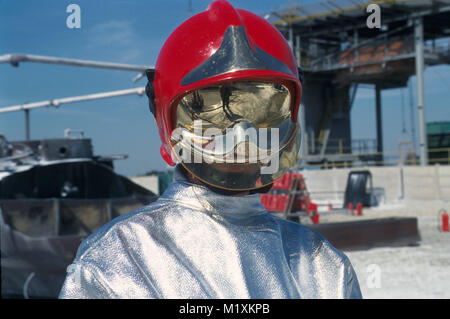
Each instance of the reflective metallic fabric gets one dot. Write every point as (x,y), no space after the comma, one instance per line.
(194,243)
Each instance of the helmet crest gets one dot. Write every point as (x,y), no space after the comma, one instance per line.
(235,54)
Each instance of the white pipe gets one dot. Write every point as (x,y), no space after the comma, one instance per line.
(418,35)
(57,102)
(14,59)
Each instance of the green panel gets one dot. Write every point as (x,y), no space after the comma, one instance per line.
(438,127)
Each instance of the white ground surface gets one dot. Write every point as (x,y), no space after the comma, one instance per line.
(405,272)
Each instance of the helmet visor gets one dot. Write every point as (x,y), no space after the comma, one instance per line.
(237,135)
(265,105)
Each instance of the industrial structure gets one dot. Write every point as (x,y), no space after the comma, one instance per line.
(438,138)
(338,50)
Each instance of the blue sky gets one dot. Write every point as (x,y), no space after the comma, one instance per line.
(133,32)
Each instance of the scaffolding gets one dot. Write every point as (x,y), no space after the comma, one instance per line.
(334,46)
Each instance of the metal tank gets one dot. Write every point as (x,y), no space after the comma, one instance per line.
(53,194)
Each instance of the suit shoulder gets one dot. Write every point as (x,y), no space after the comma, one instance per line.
(109,235)
(301,237)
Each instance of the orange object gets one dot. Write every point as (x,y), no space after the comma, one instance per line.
(312,207)
(269,201)
(444,218)
(264,198)
(284,182)
(281,202)
(350,207)
(359,209)
(315,217)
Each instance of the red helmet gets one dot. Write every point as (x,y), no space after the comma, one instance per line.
(218,45)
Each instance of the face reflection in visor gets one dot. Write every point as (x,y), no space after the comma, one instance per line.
(237,135)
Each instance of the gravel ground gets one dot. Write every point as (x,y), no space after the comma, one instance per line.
(405,272)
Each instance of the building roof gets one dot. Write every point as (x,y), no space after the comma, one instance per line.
(329,16)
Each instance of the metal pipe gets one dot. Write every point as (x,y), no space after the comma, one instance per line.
(304,136)
(402,184)
(298,53)
(15,59)
(56,214)
(370,41)
(379,121)
(413,122)
(57,102)
(291,38)
(27,124)
(418,39)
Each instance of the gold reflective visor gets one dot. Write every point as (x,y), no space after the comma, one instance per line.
(238,135)
(265,105)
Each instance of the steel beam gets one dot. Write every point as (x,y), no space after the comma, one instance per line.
(379,120)
(27,124)
(399,17)
(15,59)
(418,39)
(57,102)
(291,38)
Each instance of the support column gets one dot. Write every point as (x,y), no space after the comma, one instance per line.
(418,38)
(379,122)
(298,53)
(304,143)
(27,124)
(291,38)
(413,122)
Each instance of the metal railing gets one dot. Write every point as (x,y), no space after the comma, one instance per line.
(373,51)
(341,146)
(341,158)
(368,52)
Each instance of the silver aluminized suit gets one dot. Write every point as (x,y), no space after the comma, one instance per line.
(195,243)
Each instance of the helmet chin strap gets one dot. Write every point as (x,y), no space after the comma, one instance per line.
(221,191)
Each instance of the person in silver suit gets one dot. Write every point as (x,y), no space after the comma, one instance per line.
(208,235)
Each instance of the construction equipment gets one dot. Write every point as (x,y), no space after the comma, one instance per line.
(53,194)
(290,199)
(360,190)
